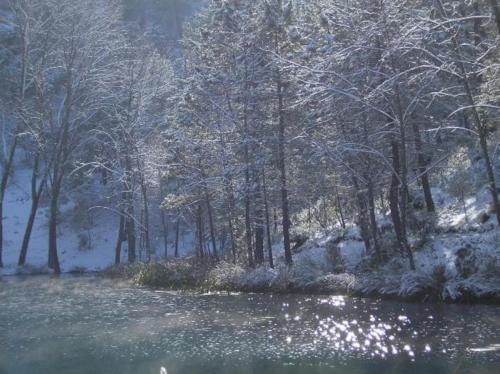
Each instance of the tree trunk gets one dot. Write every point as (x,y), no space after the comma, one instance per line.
(404,197)
(1,233)
(230,217)
(176,248)
(199,230)
(211,227)
(3,187)
(363,211)
(495,7)
(53,256)
(394,191)
(164,224)
(422,168)
(487,161)
(222,242)
(232,238)
(259,225)
(229,187)
(36,193)
(62,153)
(164,228)
(373,219)
(340,210)
(119,239)
(477,23)
(27,233)
(282,171)
(483,141)
(248,227)
(275,221)
(268,224)
(128,193)
(371,201)
(130,229)
(144,192)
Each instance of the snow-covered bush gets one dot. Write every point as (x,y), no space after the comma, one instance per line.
(379,282)
(225,276)
(334,283)
(417,283)
(179,273)
(258,279)
(153,274)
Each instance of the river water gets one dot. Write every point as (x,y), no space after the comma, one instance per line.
(88,324)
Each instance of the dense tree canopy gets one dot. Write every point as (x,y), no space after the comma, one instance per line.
(251,119)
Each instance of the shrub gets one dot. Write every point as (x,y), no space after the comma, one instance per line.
(334,283)
(177,274)
(225,276)
(334,255)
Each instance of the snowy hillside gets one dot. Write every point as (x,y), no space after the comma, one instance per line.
(72,256)
(89,248)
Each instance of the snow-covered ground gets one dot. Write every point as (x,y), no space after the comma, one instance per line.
(449,267)
(17,206)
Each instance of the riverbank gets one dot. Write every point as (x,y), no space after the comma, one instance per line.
(453,265)
(306,277)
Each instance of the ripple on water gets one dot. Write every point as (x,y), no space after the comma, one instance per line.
(87,321)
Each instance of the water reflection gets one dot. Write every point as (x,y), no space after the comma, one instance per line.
(82,325)
(375,337)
